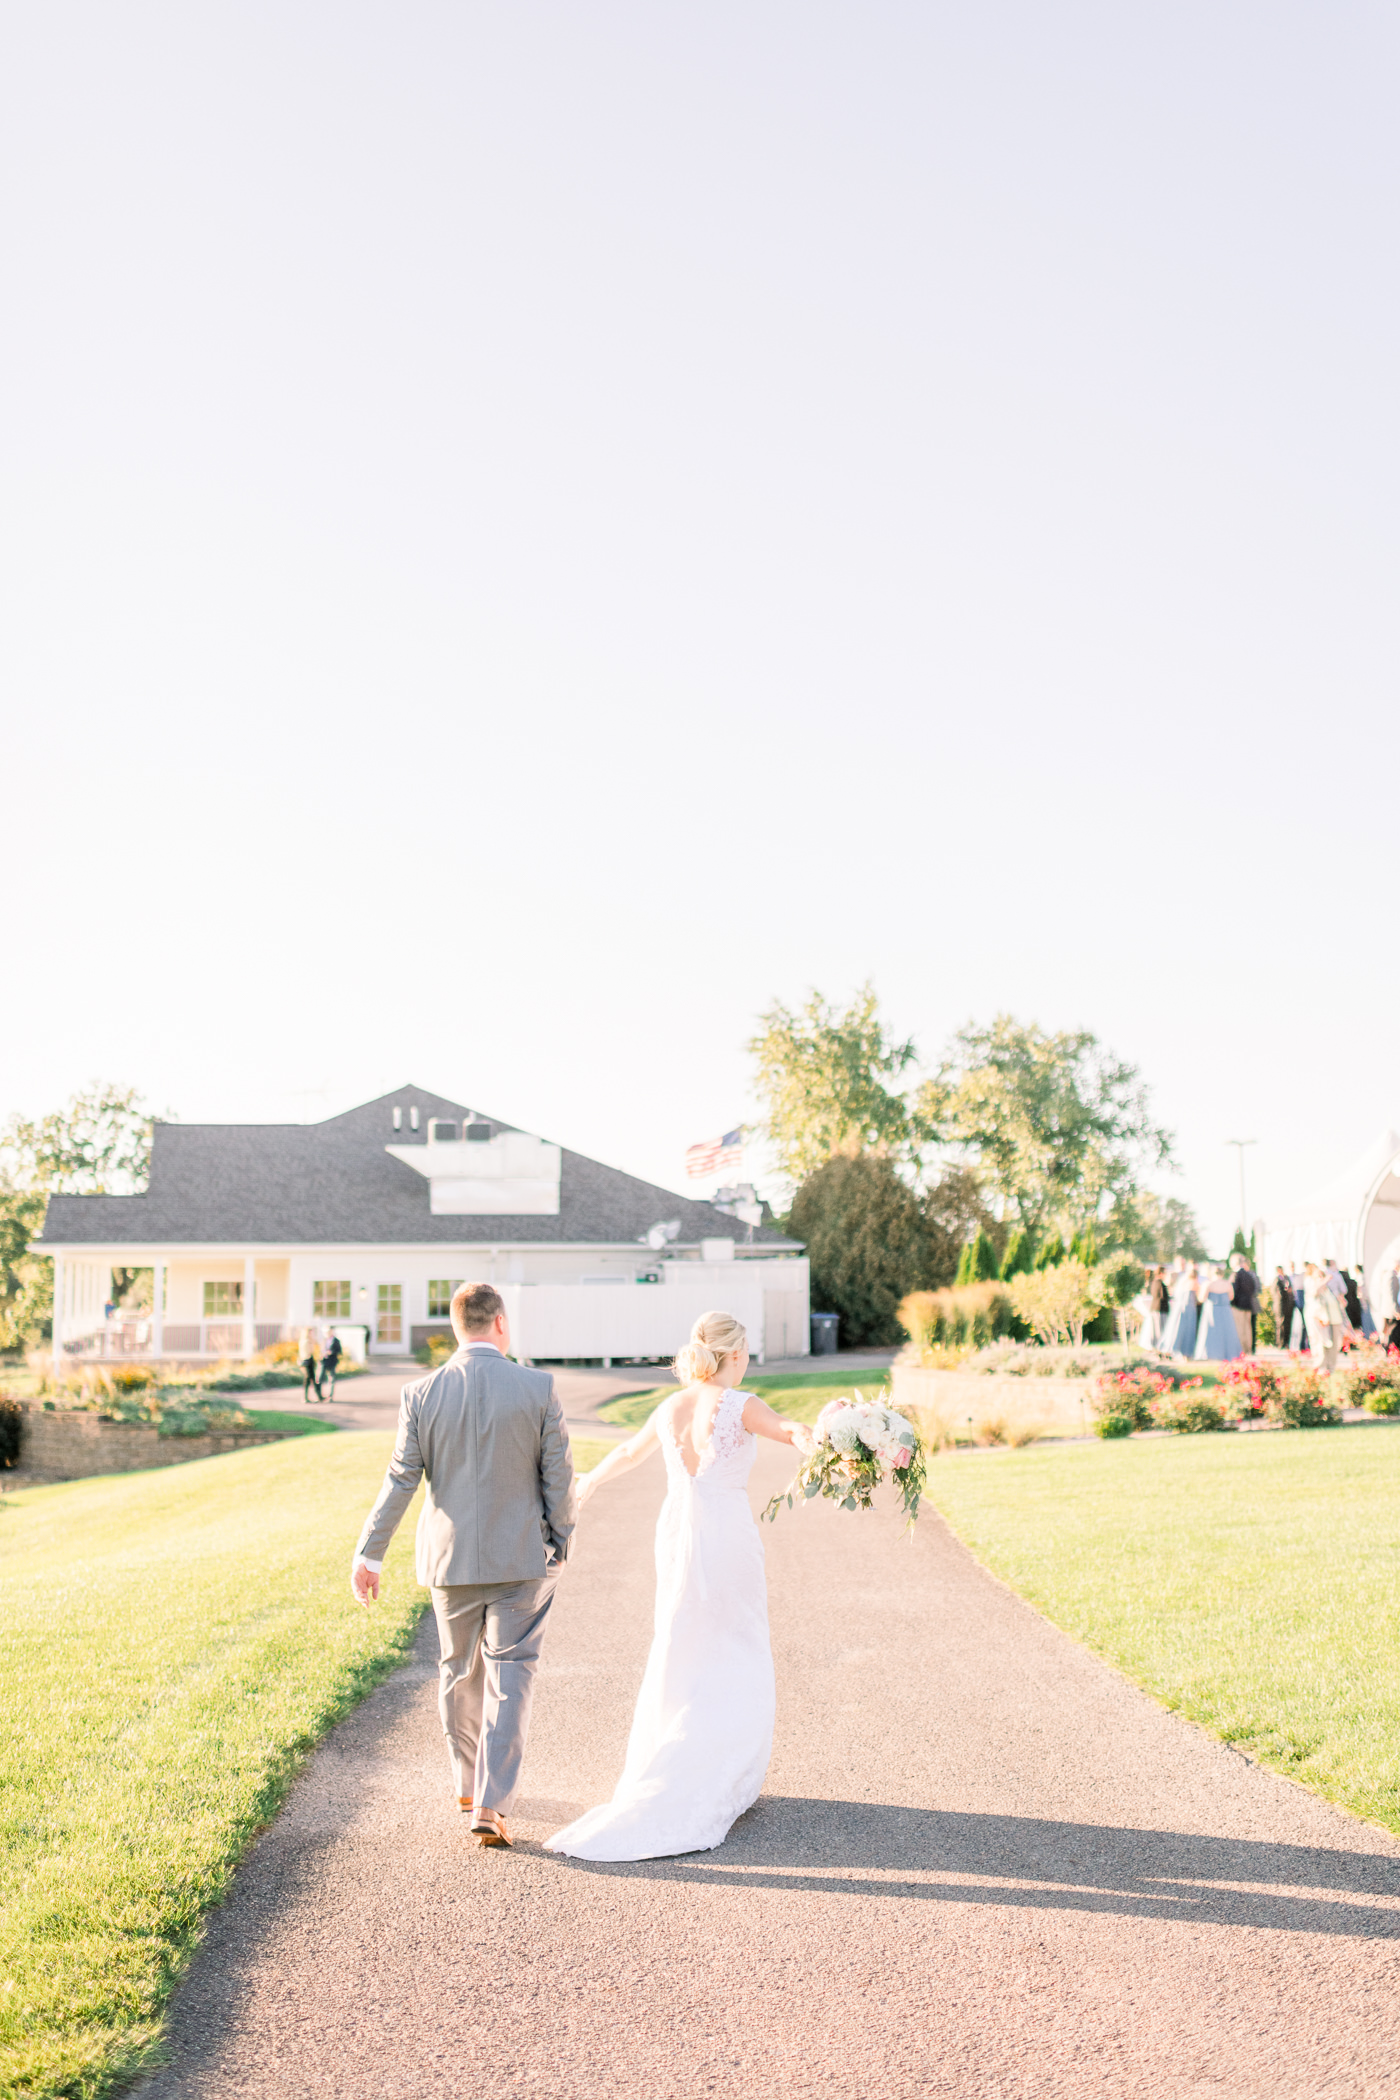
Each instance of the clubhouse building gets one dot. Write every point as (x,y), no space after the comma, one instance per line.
(365,1224)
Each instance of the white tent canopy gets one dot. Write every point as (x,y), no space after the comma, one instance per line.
(1355,1219)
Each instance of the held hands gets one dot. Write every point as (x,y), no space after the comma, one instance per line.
(364,1584)
(583,1488)
(802,1438)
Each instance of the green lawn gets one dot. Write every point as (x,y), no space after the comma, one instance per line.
(799,1394)
(294,1425)
(171,1644)
(1250,1582)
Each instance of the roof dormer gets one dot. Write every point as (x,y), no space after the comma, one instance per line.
(477,1175)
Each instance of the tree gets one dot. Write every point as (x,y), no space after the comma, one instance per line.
(1019,1255)
(822,1078)
(954,1212)
(866,1239)
(1155,1228)
(1052,1252)
(99,1145)
(1056,1302)
(26,1282)
(1056,1126)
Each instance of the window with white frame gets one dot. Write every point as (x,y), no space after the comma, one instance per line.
(440,1296)
(330,1301)
(223,1301)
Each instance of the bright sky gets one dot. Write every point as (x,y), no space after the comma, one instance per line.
(530,530)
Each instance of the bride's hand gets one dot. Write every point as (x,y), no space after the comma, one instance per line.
(583,1488)
(803,1439)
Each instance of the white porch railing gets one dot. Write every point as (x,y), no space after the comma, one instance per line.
(129,1335)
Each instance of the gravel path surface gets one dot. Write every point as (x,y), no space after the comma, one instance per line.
(983,1866)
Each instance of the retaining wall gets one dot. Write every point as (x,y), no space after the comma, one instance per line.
(75,1446)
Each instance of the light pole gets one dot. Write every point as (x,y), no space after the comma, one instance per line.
(1240,1144)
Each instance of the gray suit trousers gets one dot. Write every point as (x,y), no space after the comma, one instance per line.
(490,1635)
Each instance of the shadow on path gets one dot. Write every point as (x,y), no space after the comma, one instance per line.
(853,1848)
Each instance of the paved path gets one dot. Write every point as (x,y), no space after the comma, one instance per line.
(984,1867)
(371,1400)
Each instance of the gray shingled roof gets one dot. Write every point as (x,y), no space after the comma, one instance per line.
(334,1181)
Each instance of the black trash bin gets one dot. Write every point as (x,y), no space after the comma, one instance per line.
(825,1328)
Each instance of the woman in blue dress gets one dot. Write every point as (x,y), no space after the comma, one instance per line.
(1179,1332)
(1217,1336)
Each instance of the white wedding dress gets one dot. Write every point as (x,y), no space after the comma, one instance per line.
(703,1729)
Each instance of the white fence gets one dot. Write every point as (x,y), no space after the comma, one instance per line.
(612,1320)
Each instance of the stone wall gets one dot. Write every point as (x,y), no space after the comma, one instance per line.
(962,1404)
(74,1446)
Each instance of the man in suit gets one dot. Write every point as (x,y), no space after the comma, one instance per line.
(489,1437)
(1244,1303)
(1283,1307)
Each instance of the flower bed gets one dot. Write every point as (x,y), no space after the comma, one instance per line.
(1372,1382)
(1125,1402)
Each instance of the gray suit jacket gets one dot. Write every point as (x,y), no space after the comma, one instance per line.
(489,1436)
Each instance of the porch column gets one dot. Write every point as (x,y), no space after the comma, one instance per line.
(250,1280)
(60,1286)
(158,1308)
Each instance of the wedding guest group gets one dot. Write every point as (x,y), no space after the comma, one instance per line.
(1200,1311)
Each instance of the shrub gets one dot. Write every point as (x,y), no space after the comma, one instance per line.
(1374,1384)
(1052,1252)
(133,1378)
(1057,1302)
(1189,1410)
(436,1350)
(968,1316)
(1019,1255)
(1123,1401)
(867,1244)
(11,1420)
(1302,1402)
(278,1354)
(1252,1391)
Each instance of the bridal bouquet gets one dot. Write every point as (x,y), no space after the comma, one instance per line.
(860,1444)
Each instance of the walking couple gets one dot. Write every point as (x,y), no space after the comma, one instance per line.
(498,1523)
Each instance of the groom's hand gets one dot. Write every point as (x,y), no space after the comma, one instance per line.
(364,1584)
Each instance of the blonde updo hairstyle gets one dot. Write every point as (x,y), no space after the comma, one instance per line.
(714,1336)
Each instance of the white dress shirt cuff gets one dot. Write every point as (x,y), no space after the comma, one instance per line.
(373,1565)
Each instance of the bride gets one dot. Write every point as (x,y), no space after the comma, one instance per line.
(703,1727)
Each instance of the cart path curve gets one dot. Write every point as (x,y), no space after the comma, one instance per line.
(984,1866)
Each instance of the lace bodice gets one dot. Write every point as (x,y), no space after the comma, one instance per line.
(729,1454)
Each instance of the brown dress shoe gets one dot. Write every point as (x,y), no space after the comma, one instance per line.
(490,1828)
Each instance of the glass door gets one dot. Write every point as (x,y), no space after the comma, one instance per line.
(388,1316)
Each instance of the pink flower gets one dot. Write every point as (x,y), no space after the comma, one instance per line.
(901,1457)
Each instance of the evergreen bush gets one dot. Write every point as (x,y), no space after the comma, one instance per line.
(1019,1255)
(1052,1252)
(985,1265)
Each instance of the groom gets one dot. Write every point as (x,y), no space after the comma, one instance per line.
(494,1533)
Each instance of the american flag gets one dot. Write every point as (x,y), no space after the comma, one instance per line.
(719,1155)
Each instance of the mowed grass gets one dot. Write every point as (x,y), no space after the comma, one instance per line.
(290,1424)
(172,1643)
(1251,1582)
(801,1395)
